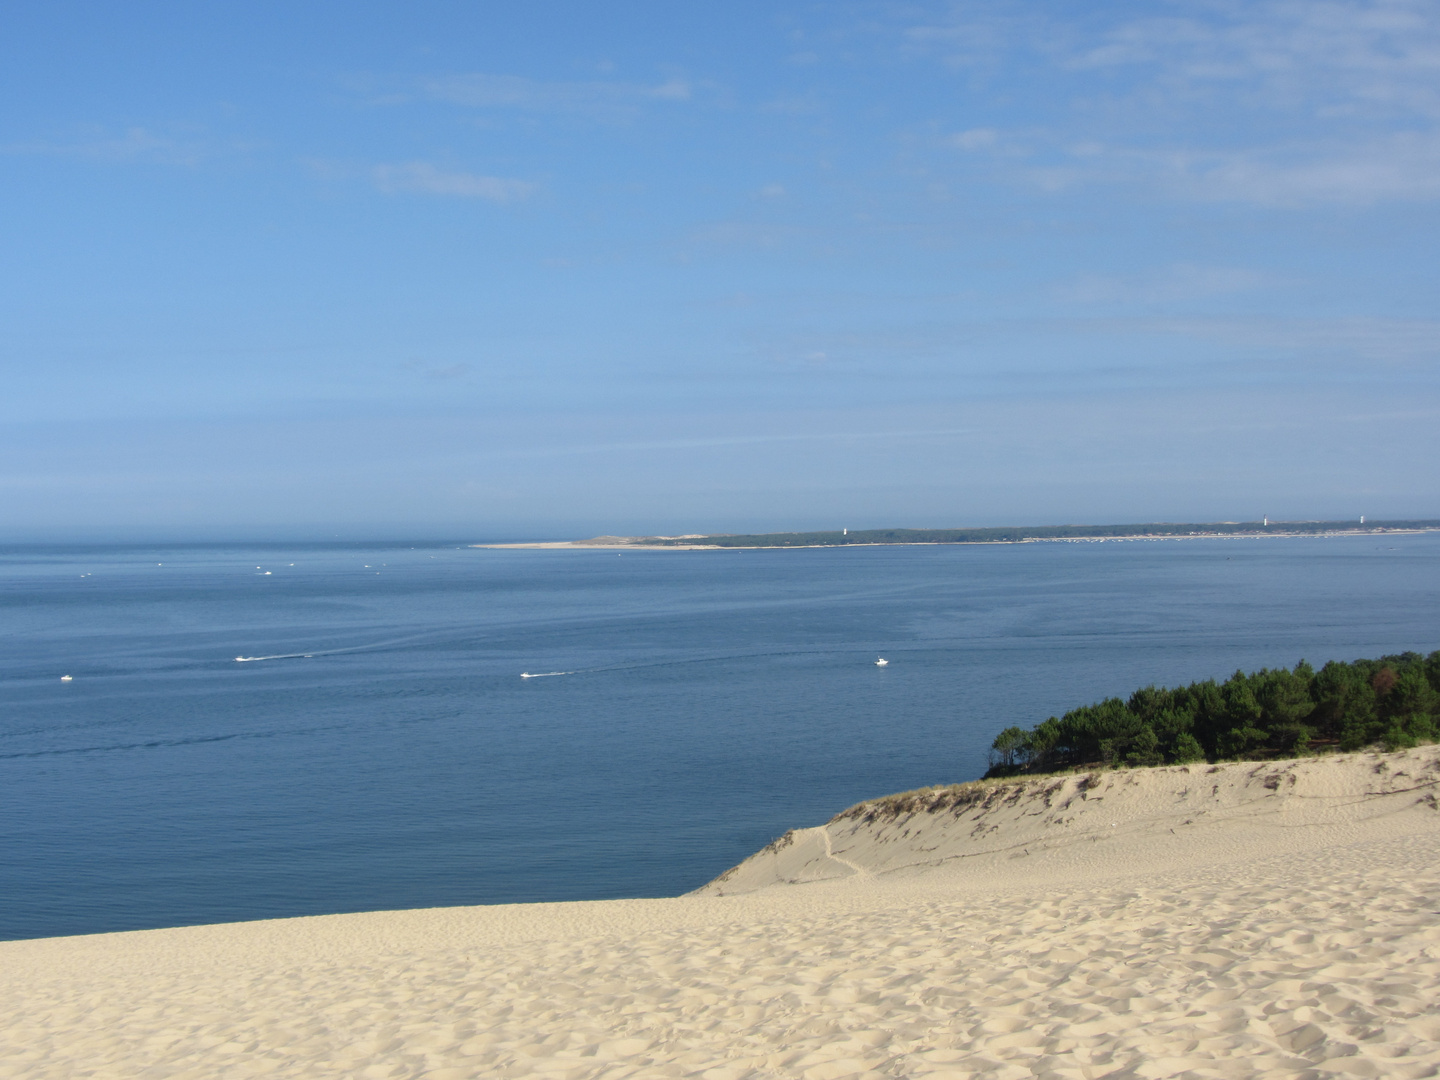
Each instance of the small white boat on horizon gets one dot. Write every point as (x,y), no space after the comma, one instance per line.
(882,662)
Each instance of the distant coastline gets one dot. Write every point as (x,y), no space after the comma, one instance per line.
(996,535)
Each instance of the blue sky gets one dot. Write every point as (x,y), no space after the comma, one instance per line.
(558,269)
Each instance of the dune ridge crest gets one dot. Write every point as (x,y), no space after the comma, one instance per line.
(1084,825)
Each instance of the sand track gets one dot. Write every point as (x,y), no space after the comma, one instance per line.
(823,831)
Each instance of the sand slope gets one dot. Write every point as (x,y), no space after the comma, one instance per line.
(1292,933)
(1076,827)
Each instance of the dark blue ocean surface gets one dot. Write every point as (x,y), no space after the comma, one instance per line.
(390,755)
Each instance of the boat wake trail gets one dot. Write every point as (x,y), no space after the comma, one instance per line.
(544,674)
(282,656)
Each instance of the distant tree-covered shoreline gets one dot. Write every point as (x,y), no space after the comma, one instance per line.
(1020,534)
(1393,701)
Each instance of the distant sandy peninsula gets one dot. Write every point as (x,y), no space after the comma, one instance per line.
(1253,919)
(987,535)
(635,543)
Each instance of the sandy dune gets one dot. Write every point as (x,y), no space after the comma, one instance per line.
(1288,926)
(1077,827)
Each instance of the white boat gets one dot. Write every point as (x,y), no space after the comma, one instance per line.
(65,678)
(882,662)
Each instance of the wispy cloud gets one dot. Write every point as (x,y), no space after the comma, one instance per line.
(1086,352)
(1404,166)
(1274,103)
(1373,56)
(1386,52)
(424,178)
(135,144)
(1412,344)
(485,91)
(1175,284)
(974,139)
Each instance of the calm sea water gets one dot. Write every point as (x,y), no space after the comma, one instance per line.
(389,755)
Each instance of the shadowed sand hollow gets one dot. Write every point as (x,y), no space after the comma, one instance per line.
(1242,920)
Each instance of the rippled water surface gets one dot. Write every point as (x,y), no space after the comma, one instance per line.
(383,751)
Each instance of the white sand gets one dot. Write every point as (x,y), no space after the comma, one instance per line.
(1291,928)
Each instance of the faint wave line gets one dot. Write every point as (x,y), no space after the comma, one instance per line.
(154,744)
